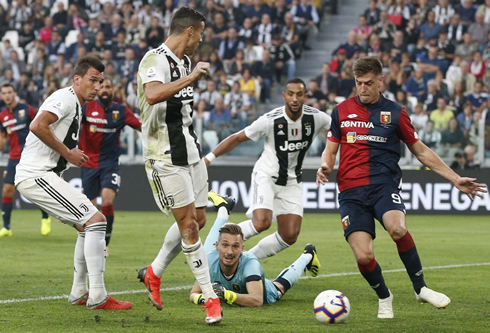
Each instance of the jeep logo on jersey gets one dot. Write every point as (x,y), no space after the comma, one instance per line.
(115,114)
(385,117)
(358,124)
(185,92)
(293,146)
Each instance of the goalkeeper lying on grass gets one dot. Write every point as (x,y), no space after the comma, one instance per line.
(237,274)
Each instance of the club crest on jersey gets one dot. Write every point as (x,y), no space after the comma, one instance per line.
(236,287)
(294,131)
(385,117)
(115,114)
(351,137)
(22,113)
(345,222)
(308,129)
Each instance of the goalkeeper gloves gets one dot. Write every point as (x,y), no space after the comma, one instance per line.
(228,295)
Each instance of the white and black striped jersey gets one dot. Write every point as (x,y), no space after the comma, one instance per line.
(37,158)
(167,130)
(286,141)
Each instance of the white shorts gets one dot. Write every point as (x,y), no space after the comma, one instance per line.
(58,198)
(265,194)
(178,186)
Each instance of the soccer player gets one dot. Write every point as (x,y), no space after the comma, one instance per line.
(237,274)
(50,146)
(14,127)
(369,128)
(173,159)
(276,179)
(102,123)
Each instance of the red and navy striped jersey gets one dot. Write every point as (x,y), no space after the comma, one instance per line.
(369,137)
(16,124)
(100,133)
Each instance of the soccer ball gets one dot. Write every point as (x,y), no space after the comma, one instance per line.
(331,306)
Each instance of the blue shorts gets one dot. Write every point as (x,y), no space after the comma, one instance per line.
(94,180)
(9,172)
(361,205)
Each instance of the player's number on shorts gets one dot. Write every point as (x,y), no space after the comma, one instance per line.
(396,198)
(116,180)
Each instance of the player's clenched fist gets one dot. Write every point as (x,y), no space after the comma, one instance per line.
(77,157)
(201,69)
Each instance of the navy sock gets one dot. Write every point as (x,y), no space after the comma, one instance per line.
(372,273)
(44,214)
(108,211)
(410,258)
(7,205)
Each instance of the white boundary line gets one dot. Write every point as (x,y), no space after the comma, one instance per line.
(49,298)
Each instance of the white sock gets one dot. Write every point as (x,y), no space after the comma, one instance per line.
(95,257)
(288,277)
(170,249)
(80,286)
(198,261)
(248,229)
(269,246)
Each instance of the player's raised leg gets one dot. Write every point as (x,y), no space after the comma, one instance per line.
(45,223)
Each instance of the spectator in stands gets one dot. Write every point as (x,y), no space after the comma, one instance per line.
(347,83)
(315,95)
(384,29)
(265,30)
(400,13)
(216,65)
(465,118)
(467,12)
(431,96)
(211,95)
(256,11)
(411,36)
(458,98)
(338,62)
(8,77)
(473,136)
(442,87)
(430,29)
(250,54)
(17,65)
(416,85)
(111,31)
(470,156)
(279,11)
(419,118)
(327,83)
(444,11)
(233,15)
(372,13)
(283,58)
(456,29)
(66,75)
(431,63)
(446,48)
(222,85)
(60,18)
(6,47)
(209,44)
(110,73)
(55,46)
(155,34)
(45,32)
(135,31)
(306,17)
(466,77)
(247,85)
(26,36)
(17,14)
(395,78)
(39,12)
(478,98)
(129,65)
(264,71)
(430,136)
(363,31)
(441,116)
(93,9)
(236,65)
(351,47)
(459,162)
(246,31)
(229,46)
(486,79)
(238,103)
(479,30)
(374,47)
(452,139)
(77,20)
(220,120)
(118,47)
(168,10)
(145,15)
(71,50)
(477,66)
(219,27)
(290,34)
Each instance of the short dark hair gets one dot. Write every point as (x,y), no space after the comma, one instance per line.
(367,65)
(8,85)
(232,229)
(86,62)
(296,80)
(185,17)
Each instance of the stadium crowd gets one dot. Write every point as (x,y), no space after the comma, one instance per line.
(436,57)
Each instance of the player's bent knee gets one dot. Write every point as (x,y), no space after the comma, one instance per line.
(398,232)
(364,258)
(96,218)
(261,224)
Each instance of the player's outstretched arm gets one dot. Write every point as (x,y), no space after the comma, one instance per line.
(226,146)
(3,140)
(196,295)
(430,159)
(255,296)
(327,162)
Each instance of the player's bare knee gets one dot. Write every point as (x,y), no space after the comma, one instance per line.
(97,218)
(289,237)
(262,223)
(189,231)
(364,258)
(398,231)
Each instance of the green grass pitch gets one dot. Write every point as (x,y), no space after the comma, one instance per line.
(36,276)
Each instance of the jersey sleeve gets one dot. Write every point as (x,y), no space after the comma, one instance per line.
(32,113)
(58,105)
(153,68)
(257,129)
(406,132)
(131,120)
(326,121)
(252,271)
(334,134)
